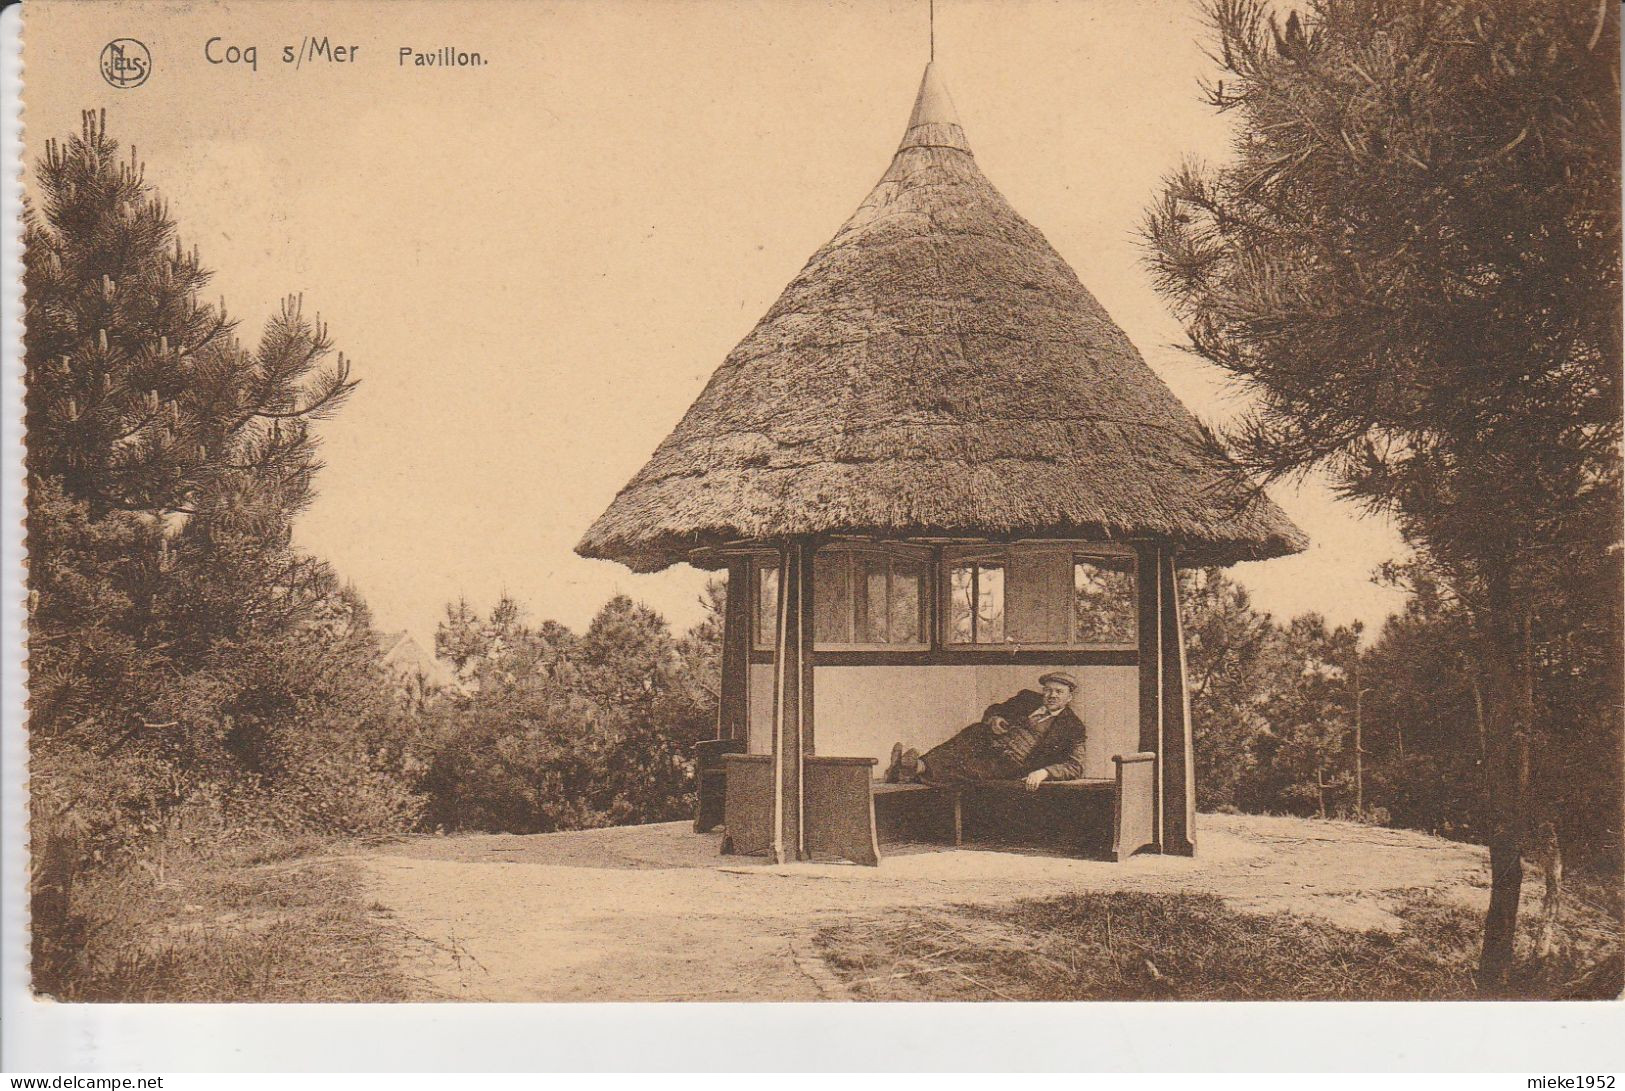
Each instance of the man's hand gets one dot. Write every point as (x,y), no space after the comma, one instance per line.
(1035,778)
(998,725)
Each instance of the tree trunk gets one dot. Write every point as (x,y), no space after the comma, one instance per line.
(1509,715)
(1549,852)
(1483,734)
(1359,746)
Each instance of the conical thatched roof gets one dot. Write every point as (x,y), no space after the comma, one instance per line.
(936,370)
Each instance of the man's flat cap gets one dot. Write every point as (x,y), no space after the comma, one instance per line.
(1059,676)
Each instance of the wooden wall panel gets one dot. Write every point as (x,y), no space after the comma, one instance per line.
(759,735)
(863,710)
(1038,602)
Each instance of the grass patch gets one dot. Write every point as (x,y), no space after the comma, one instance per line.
(259,924)
(1133,946)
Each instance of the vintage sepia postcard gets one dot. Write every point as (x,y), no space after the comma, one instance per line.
(1163,544)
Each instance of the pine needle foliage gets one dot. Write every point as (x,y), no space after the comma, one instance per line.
(141,396)
(1412,261)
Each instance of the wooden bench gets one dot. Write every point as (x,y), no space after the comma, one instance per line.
(1078,815)
(847,814)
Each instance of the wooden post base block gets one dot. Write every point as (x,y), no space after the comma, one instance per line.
(710,781)
(1134,821)
(839,810)
(748,804)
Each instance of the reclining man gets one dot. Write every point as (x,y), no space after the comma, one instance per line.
(1032,737)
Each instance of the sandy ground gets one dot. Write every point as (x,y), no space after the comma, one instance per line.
(654,913)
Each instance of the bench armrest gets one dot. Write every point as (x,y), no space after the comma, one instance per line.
(1134,819)
(708,752)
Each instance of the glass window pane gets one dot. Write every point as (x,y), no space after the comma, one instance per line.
(1104,600)
(906,578)
(767,604)
(832,598)
(990,603)
(873,613)
(960,607)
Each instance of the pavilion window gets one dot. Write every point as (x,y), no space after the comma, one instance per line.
(976,601)
(767,601)
(862,598)
(1040,597)
(1104,600)
(866,598)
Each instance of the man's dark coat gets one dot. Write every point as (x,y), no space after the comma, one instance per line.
(977,754)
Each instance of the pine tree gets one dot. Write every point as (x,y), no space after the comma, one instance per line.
(1231,649)
(140,396)
(1414,262)
(166,462)
(184,659)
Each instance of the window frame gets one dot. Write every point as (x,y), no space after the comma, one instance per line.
(1133,563)
(1003,555)
(763,636)
(976,556)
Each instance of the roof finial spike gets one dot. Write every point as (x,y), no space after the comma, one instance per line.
(933,124)
(933,19)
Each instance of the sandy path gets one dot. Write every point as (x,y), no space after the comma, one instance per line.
(653,913)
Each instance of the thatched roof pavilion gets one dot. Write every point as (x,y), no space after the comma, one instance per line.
(939,429)
(936,370)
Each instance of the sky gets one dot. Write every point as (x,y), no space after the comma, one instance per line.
(536,263)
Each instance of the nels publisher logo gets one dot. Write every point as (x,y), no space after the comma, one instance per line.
(126,63)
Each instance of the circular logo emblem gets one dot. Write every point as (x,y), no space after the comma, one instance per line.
(126,63)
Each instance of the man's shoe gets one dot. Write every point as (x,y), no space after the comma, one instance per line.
(895,769)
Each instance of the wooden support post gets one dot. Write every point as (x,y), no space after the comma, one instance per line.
(733,704)
(1150,667)
(792,699)
(1176,764)
(805,651)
